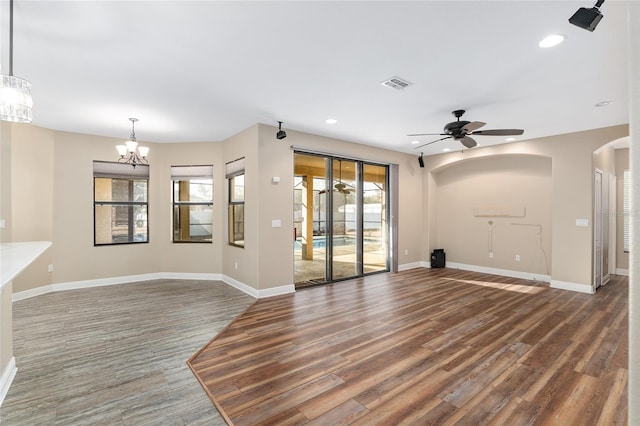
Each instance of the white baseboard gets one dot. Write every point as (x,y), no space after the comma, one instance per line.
(7,377)
(496,271)
(566,285)
(413,265)
(240,286)
(75,285)
(27,294)
(624,272)
(276,291)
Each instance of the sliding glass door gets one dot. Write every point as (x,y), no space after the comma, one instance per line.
(341,219)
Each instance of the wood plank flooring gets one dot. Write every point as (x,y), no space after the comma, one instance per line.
(424,347)
(116,355)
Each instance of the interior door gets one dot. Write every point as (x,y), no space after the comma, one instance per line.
(597,231)
(604,223)
(613,215)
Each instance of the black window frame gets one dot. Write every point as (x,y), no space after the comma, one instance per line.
(197,172)
(127,173)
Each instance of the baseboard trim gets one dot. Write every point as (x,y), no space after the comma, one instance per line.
(414,265)
(566,285)
(240,286)
(495,271)
(27,294)
(276,291)
(75,285)
(7,378)
(624,272)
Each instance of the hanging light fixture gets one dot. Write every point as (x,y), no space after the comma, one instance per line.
(128,153)
(15,92)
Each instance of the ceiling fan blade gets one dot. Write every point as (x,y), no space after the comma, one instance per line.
(470,127)
(468,142)
(429,143)
(427,134)
(499,132)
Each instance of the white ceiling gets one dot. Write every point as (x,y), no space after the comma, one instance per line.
(205,70)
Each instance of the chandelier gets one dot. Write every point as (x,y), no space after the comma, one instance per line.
(15,92)
(128,153)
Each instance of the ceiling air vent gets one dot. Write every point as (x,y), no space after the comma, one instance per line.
(396,83)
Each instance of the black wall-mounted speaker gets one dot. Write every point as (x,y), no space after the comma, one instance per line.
(586,18)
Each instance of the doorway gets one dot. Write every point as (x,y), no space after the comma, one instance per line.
(597,231)
(603,228)
(341,219)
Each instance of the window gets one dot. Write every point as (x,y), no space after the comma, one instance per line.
(626,207)
(120,194)
(192,203)
(235,175)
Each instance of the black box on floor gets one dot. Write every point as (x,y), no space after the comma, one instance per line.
(438,258)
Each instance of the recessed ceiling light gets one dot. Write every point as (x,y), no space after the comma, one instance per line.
(415,142)
(551,40)
(331,121)
(510,139)
(604,103)
(446,150)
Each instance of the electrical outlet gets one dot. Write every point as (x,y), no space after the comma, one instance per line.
(490,255)
(517,258)
(236,264)
(406,252)
(50,268)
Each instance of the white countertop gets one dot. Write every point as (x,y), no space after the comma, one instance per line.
(15,257)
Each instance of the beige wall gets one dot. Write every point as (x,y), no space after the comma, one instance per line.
(240,263)
(53,200)
(32,197)
(266,261)
(6,339)
(572,180)
(622,164)
(6,332)
(410,228)
(203,258)
(519,183)
(61,178)
(5,180)
(275,202)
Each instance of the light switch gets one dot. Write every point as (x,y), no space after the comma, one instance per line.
(582,223)
(276,223)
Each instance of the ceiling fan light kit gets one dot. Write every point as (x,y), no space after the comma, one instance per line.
(460,130)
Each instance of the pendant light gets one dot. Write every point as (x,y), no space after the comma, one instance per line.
(130,152)
(15,92)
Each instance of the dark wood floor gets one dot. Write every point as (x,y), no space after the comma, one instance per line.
(424,347)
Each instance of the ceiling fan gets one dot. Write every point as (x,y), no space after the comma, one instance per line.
(461,130)
(340,187)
